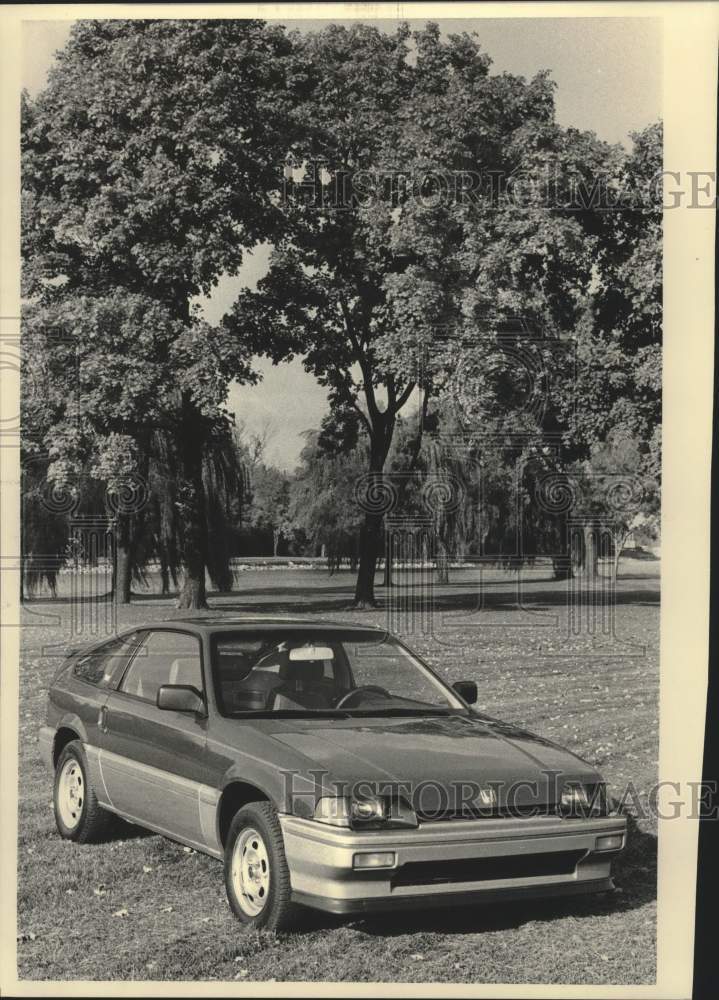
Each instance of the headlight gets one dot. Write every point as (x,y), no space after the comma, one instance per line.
(372,810)
(584,800)
(368,812)
(334,811)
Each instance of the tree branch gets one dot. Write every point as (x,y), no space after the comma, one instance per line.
(375,414)
(404,396)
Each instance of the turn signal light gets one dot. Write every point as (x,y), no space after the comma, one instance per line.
(610,843)
(379,859)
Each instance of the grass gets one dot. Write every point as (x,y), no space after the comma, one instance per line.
(141,907)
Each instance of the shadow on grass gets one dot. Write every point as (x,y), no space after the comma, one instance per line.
(334,596)
(634,873)
(120,829)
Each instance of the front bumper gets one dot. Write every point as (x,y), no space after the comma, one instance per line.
(444,863)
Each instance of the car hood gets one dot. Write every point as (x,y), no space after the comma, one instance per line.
(438,751)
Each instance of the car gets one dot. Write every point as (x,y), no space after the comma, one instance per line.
(325,763)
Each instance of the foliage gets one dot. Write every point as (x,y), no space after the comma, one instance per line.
(149,167)
(150,158)
(619,375)
(323,506)
(436,235)
(367,278)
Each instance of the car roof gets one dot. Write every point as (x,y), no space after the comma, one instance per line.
(223,623)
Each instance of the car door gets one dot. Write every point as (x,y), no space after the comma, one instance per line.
(153,761)
(84,691)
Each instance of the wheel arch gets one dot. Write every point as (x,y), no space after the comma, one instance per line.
(66,732)
(235,795)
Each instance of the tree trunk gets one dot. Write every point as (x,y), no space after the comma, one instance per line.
(122,569)
(591,554)
(619,542)
(192,592)
(370,533)
(442,563)
(584,552)
(164,576)
(562,568)
(123,576)
(275,542)
(191,503)
(387,578)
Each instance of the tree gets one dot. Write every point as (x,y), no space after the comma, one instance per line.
(619,348)
(149,167)
(619,490)
(109,372)
(620,336)
(368,274)
(545,266)
(322,502)
(271,503)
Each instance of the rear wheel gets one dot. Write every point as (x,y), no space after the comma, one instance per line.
(78,814)
(257,878)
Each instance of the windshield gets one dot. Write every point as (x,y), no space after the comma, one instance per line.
(340,673)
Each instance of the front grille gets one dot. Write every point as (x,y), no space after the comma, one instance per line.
(486,869)
(490,812)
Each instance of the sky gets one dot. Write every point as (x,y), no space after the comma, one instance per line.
(608,73)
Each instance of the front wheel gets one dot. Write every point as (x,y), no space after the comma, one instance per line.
(78,814)
(257,878)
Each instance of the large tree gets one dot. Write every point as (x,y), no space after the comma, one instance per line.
(374,268)
(149,167)
(554,344)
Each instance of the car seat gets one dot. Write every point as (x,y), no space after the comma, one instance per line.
(302,686)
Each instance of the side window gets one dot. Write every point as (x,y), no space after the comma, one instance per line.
(102,665)
(164,658)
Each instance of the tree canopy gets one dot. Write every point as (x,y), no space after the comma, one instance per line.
(439,243)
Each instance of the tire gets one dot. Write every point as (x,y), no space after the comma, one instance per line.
(257,878)
(78,814)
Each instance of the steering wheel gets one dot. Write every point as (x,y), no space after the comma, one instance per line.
(343,699)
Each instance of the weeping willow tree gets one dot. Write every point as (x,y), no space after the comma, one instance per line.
(45,534)
(453,502)
(104,403)
(484,490)
(142,516)
(153,530)
(323,505)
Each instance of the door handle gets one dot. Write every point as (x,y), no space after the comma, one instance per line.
(102,719)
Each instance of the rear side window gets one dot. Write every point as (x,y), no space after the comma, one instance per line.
(105,664)
(164,658)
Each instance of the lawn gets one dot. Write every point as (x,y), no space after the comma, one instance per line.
(140,907)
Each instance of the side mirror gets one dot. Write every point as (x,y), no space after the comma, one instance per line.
(466,690)
(180,698)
